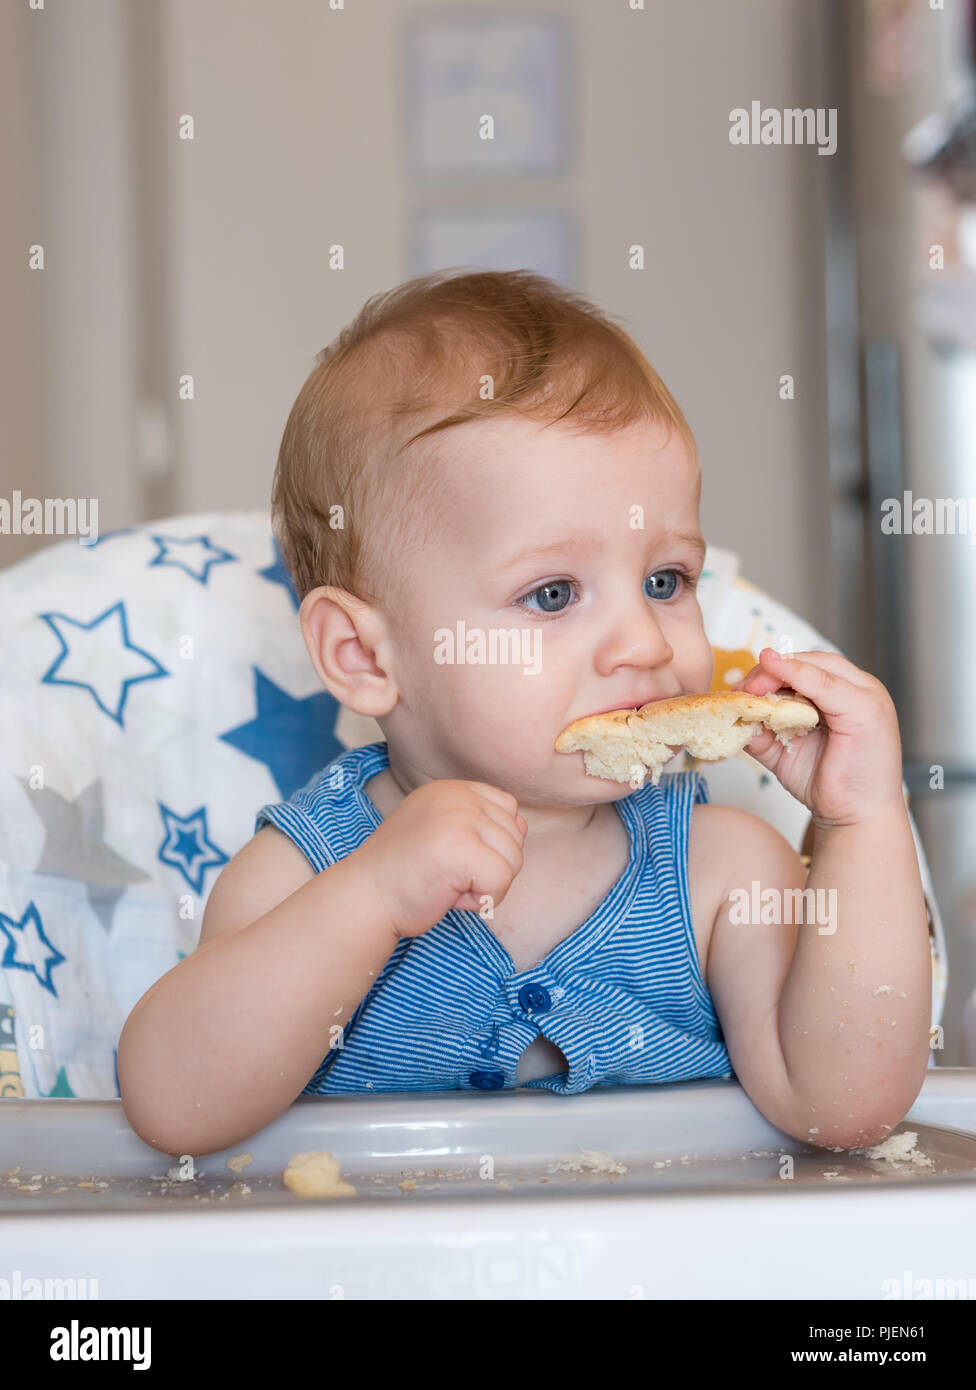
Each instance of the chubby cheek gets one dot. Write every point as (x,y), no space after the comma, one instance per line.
(694,659)
(505,705)
(704,668)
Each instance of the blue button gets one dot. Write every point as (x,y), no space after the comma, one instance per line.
(487,1080)
(535,997)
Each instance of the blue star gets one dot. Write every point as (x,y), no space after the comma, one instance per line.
(278,574)
(295,738)
(200,555)
(187,841)
(99,656)
(33,947)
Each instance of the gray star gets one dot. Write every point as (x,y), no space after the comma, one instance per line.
(74,847)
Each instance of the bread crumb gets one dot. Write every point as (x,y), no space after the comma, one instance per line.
(239,1162)
(316,1174)
(590,1159)
(900,1148)
(408,1185)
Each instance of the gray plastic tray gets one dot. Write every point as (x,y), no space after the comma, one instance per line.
(474,1183)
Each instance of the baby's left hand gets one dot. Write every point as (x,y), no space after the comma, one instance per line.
(843,773)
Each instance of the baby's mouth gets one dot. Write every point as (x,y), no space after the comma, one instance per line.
(629,705)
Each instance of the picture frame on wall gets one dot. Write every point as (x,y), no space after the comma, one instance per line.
(498,72)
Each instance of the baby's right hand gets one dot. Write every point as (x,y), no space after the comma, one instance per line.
(449,844)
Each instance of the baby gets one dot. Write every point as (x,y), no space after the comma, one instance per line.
(488,502)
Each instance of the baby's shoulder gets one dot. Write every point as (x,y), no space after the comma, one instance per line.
(722,839)
(715,836)
(723,831)
(723,842)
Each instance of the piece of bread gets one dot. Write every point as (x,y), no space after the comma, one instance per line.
(316,1174)
(624,744)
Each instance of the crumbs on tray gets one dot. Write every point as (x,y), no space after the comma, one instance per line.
(589,1160)
(899,1148)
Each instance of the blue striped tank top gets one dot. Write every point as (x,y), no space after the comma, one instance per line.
(623,995)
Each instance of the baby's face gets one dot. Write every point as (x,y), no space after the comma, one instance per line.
(498,646)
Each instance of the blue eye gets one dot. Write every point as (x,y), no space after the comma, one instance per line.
(655,591)
(550,596)
(555,596)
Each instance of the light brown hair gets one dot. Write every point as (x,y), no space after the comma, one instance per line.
(411,365)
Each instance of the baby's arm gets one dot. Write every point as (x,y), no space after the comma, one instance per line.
(227,1039)
(822,1054)
(856,1009)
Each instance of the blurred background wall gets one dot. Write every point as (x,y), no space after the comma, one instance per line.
(169,256)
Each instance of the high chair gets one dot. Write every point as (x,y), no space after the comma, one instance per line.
(156,693)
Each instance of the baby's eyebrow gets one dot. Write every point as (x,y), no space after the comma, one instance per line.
(585,545)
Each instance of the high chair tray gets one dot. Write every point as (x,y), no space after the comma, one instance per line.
(680,1190)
